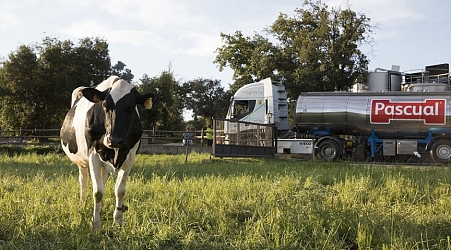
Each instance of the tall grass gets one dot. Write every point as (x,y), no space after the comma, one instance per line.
(228,204)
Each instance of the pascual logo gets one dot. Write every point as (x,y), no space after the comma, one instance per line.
(431,111)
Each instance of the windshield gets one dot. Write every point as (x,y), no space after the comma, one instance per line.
(241,108)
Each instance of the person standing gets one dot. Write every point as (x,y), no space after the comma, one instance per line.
(209,135)
(187,138)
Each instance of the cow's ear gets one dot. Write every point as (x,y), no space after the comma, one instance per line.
(147,100)
(94,95)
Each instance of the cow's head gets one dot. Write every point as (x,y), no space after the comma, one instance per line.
(119,108)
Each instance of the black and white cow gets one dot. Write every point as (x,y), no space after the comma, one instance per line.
(101,134)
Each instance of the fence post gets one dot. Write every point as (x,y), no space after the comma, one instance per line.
(202,137)
(153,134)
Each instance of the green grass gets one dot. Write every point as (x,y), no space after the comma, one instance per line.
(227,204)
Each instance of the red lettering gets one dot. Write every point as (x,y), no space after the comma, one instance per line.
(431,111)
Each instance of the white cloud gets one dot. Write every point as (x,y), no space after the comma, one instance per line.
(167,26)
(150,13)
(96,28)
(86,28)
(384,12)
(8,20)
(199,44)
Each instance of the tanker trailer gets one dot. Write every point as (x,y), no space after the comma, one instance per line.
(391,123)
(392,114)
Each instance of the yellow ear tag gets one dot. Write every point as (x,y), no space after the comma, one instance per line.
(148,103)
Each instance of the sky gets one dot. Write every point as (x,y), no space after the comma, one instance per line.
(151,36)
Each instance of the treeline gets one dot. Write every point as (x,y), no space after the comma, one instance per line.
(318,49)
(36,83)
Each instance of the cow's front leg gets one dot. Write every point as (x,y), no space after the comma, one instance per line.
(98,187)
(119,191)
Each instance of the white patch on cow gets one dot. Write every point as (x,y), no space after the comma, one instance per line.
(81,157)
(108,83)
(76,94)
(120,89)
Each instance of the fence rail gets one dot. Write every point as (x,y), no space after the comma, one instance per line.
(243,139)
(149,136)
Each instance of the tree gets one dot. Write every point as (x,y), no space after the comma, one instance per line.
(206,98)
(251,59)
(92,60)
(167,113)
(58,75)
(316,50)
(21,103)
(39,80)
(120,70)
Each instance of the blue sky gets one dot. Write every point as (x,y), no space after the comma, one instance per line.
(151,35)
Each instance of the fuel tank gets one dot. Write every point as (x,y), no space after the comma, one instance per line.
(391,114)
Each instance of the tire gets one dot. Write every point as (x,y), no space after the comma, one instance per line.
(328,150)
(441,151)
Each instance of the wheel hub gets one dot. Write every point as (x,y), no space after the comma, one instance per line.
(444,152)
(328,152)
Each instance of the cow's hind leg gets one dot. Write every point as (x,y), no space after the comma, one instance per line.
(83,178)
(119,191)
(98,187)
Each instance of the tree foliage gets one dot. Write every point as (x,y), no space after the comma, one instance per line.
(119,69)
(36,84)
(206,98)
(316,50)
(38,80)
(21,102)
(167,113)
(250,58)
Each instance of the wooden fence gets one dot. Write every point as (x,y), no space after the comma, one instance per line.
(149,136)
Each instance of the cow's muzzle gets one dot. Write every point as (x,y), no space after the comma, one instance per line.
(113,141)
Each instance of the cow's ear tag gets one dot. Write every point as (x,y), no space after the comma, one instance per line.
(148,103)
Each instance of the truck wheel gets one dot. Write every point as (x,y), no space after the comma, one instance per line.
(441,151)
(328,150)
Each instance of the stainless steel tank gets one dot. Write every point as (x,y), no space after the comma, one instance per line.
(427,87)
(390,114)
(384,81)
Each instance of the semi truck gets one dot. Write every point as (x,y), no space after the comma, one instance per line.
(392,114)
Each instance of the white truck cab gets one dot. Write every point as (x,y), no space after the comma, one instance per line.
(261,102)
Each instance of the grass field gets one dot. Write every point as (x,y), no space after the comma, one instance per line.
(226,204)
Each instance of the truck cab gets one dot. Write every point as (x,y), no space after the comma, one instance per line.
(262,102)
(254,104)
